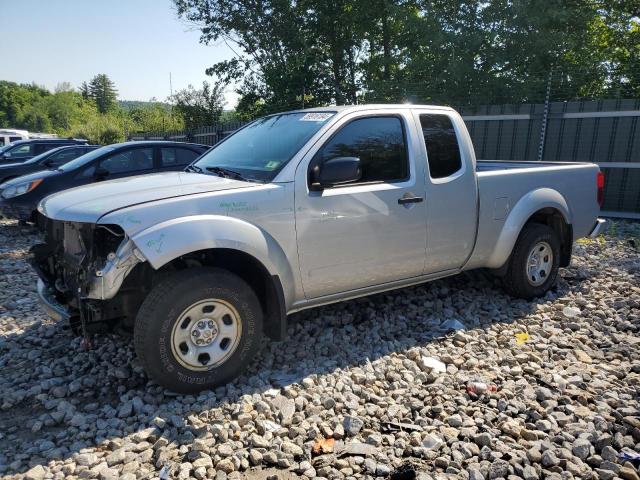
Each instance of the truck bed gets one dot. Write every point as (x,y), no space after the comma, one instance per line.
(504,186)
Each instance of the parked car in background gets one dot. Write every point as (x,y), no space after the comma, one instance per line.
(297,210)
(51,160)
(19,197)
(23,150)
(8,135)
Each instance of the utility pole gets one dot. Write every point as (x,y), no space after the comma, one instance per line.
(545,117)
(170,103)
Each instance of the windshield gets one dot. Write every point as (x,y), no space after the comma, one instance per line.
(261,149)
(84,159)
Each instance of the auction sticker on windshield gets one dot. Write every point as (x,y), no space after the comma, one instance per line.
(316,117)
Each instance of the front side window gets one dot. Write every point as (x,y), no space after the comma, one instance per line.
(379,143)
(262,148)
(440,138)
(134,160)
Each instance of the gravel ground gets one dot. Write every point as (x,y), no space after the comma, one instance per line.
(382,380)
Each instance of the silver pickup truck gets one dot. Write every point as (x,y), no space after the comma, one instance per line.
(296,210)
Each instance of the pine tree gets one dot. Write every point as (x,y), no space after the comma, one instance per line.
(84,91)
(103,91)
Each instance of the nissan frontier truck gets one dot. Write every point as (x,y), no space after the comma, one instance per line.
(296,210)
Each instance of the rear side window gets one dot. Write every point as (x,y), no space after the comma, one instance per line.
(440,139)
(380,144)
(44,147)
(133,160)
(172,156)
(64,156)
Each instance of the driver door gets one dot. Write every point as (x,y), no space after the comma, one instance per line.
(373,230)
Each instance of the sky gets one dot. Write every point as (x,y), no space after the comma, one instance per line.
(137,43)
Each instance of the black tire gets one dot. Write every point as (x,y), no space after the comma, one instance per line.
(516,281)
(164,306)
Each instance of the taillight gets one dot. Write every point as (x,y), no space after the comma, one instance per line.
(600,185)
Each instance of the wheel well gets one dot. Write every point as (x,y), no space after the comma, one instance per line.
(267,287)
(554,219)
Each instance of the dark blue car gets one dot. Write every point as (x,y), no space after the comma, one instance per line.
(20,196)
(50,159)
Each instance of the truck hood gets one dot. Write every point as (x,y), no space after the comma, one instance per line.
(90,202)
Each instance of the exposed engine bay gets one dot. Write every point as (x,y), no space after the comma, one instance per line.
(90,270)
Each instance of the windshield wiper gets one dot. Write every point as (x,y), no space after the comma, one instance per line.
(193,168)
(225,172)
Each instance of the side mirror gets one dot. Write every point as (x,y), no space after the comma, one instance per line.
(336,171)
(101,173)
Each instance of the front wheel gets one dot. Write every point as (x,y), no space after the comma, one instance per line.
(533,265)
(198,329)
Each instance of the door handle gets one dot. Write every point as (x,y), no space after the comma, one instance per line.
(409,199)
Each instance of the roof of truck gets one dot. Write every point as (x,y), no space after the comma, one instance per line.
(369,106)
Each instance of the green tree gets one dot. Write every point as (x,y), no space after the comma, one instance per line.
(85,91)
(155,116)
(314,52)
(199,107)
(103,91)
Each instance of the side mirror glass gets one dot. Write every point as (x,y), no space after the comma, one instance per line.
(336,171)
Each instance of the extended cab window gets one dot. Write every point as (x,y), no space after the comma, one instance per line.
(440,139)
(379,143)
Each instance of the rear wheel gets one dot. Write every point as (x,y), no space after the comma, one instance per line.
(534,262)
(198,329)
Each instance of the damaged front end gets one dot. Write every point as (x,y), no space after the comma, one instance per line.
(87,274)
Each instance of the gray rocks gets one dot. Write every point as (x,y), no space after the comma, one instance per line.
(454,420)
(482,439)
(381,380)
(226,465)
(352,425)
(87,459)
(581,448)
(549,458)
(258,441)
(292,449)
(36,473)
(284,407)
